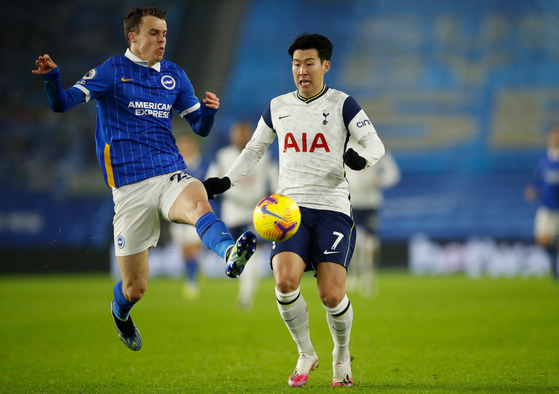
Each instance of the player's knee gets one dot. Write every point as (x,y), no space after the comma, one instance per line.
(135,293)
(286,285)
(332,299)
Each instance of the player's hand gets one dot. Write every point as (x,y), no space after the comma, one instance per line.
(216,186)
(353,160)
(211,100)
(44,65)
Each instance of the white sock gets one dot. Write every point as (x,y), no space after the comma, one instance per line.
(248,282)
(294,312)
(340,319)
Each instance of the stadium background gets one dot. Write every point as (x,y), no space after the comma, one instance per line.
(461,92)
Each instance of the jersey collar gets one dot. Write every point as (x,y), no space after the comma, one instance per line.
(553,154)
(316,96)
(137,60)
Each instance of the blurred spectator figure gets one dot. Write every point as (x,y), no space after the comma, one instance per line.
(237,205)
(545,189)
(365,189)
(186,236)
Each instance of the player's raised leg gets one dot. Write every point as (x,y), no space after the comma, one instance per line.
(192,207)
(238,255)
(215,235)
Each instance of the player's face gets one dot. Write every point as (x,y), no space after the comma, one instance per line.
(308,72)
(554,138)
(149,43)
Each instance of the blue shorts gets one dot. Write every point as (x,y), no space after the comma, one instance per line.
(323,236)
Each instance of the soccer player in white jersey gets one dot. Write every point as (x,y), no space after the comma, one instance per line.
(312,125)
(139,158)
(237,206)
(366,188)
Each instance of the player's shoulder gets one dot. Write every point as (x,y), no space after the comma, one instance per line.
(103,71)
(279,102)
(170,66)
(336,93)
(112,64)
(338,97)
(285,98)
(117,60)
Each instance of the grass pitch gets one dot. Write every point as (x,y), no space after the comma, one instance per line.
(426,334)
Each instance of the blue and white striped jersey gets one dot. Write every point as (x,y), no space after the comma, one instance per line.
(546,180)
(134,102)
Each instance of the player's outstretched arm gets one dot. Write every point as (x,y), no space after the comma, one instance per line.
(216,186)
(60,100)
(44,65)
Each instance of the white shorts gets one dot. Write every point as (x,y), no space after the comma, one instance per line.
(546,222)
(184,234)
(139,207)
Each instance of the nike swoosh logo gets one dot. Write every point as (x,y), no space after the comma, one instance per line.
(285,116)
(126,80)
(267,212)
(330,252)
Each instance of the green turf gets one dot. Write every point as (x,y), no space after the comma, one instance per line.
(429,334)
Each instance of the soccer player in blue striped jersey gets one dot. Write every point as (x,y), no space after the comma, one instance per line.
(545,188)
(136,94)
(313,125)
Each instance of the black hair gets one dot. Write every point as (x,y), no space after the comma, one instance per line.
(313,41)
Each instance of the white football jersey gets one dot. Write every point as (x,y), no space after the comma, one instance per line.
(312,136)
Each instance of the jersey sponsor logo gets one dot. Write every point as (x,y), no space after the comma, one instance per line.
(157,110)
(364,123)
(318,142)
(168,82)
(90,74)
(126,79)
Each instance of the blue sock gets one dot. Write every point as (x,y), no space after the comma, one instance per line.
(122,305)
(214,234)
(191,270)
